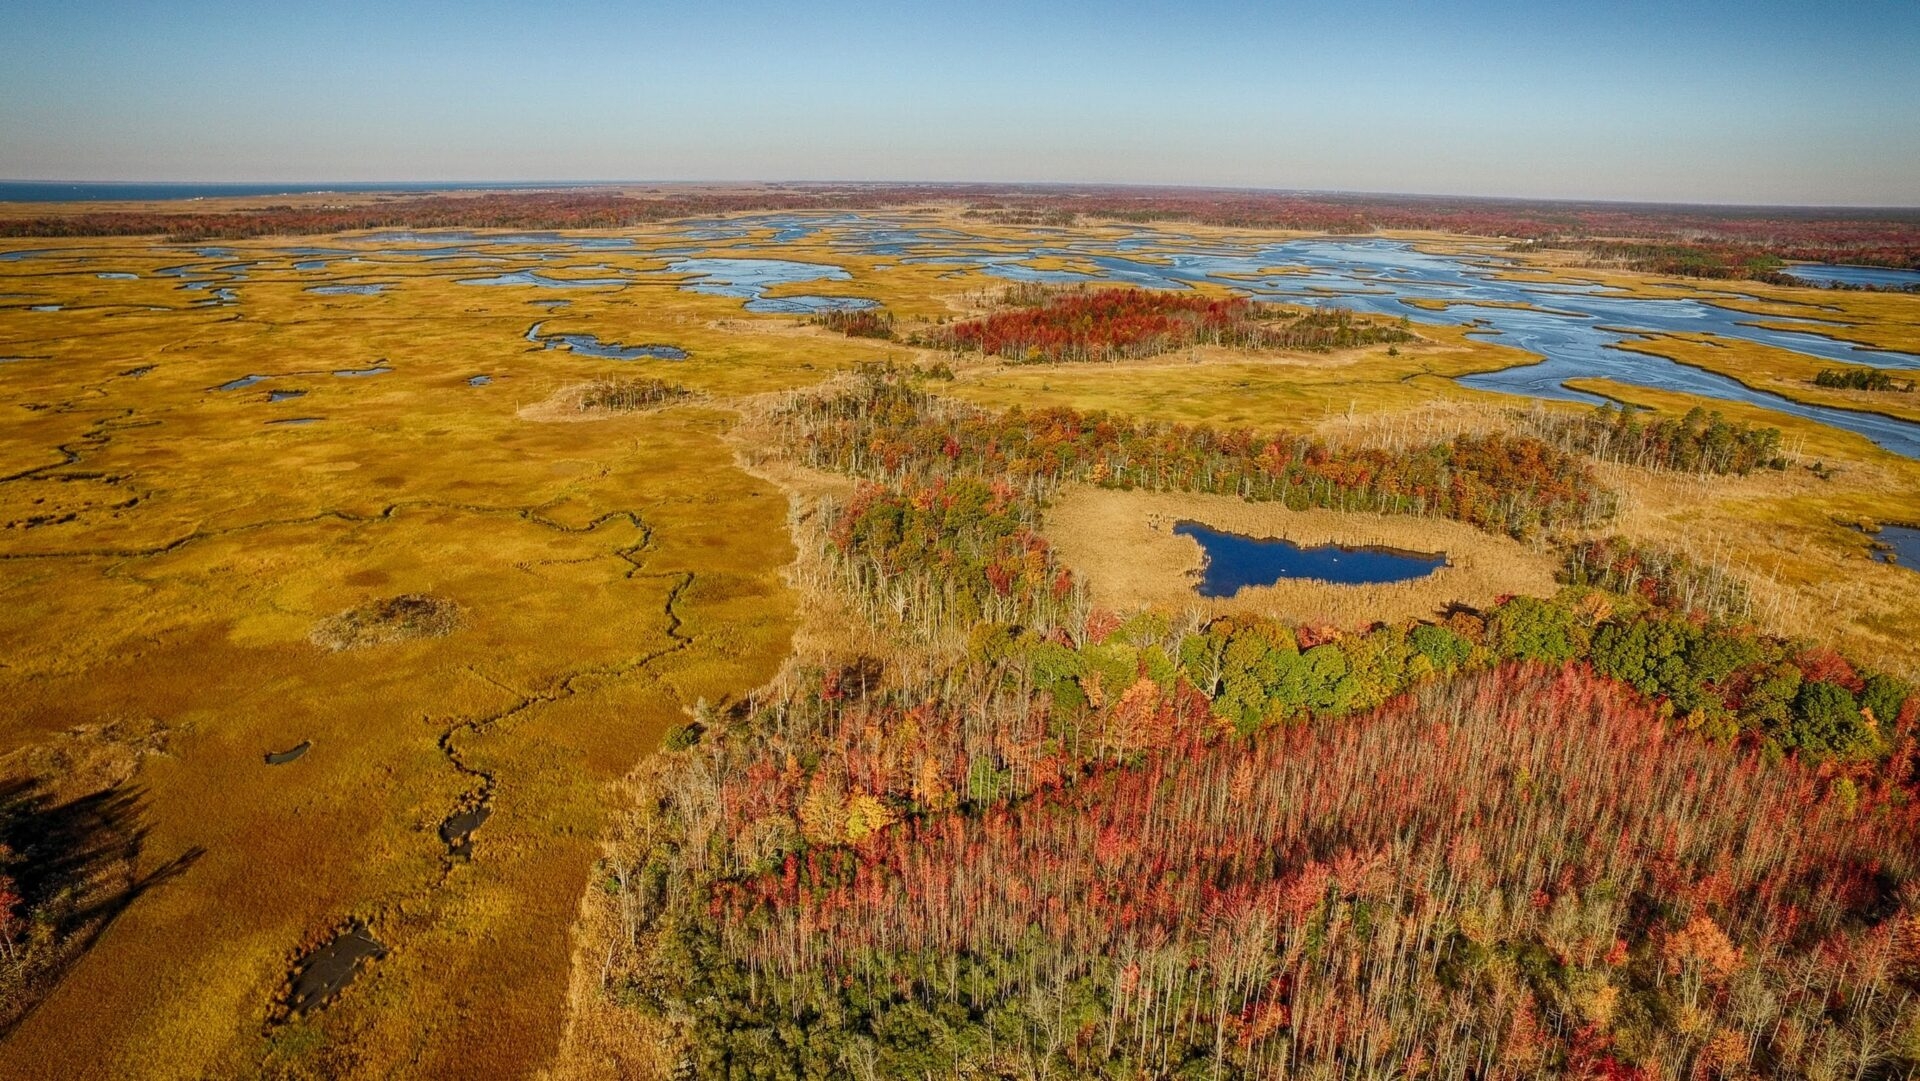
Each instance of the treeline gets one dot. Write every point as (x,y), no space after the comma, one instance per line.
(1877,238)
(1731,260)
(1688,260)
(1860,379)
(573,209)
(952,552)
(1699,442)
(1055,325)
(887,429)
(1052,219)
(1660,577)
(857,322)
(629,394)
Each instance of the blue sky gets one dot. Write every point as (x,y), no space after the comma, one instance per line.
(1755,101)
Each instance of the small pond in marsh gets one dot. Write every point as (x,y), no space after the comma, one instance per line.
(1233,562)
(589,345)
(458,830)
(322,973)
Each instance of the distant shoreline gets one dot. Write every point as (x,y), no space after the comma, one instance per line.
(109,191)
(101,191)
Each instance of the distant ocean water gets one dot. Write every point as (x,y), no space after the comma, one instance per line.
(44,191)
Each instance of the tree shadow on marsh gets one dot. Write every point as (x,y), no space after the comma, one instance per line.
(73,866)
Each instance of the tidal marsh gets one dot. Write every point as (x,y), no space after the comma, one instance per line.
(529,607)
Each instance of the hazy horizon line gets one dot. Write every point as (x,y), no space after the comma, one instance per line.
(321,187)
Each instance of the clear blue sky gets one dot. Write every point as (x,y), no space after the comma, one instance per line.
(1751,101)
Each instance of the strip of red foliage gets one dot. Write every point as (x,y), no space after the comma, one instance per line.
(1118,324)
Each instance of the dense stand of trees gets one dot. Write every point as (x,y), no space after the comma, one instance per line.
(948,553)
(1439,845)
(1613,833)
(858,322)
(1667,579)
(1054,325)
(885,428)
(1699,442)
(1731,259)
(1860,379)
(1449,884)
(1689,259)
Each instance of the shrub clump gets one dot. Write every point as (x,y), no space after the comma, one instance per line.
(858,322)
(628,395)
(410,615)
(1860,379)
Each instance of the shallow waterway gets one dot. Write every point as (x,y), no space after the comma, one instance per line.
(751,278)
(1877,277)
(1575,328)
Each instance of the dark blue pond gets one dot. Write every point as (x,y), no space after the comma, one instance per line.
(1234,562)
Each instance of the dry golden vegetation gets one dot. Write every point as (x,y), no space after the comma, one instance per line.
(460,609)
(173,559)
